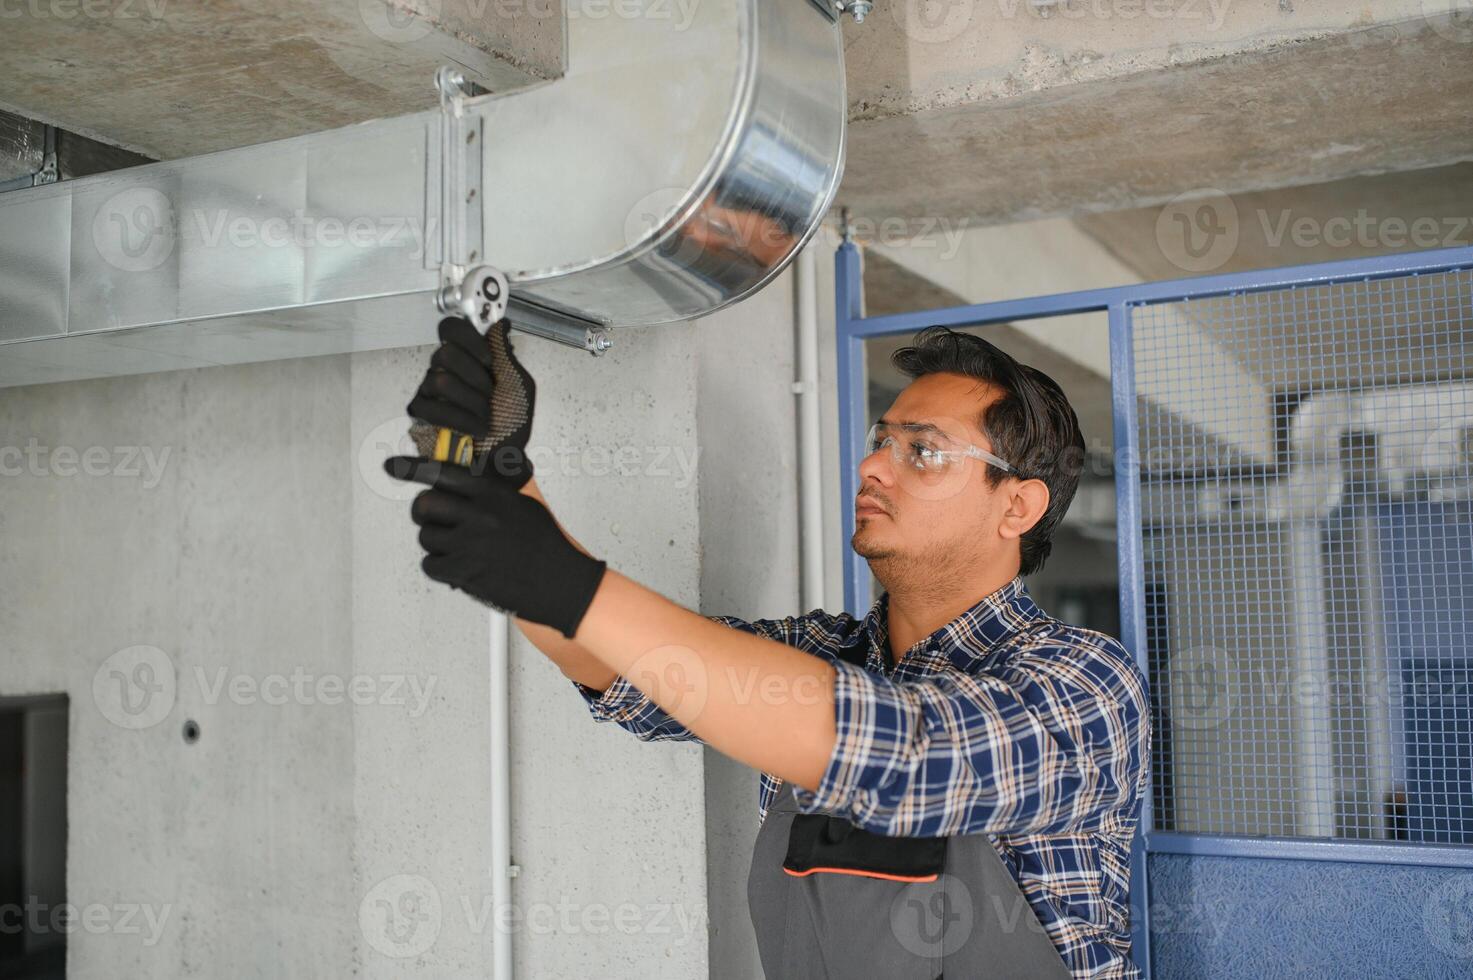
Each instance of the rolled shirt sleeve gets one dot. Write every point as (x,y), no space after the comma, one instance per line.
(1056,741)
(632,710)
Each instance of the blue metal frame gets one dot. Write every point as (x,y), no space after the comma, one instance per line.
(854,328)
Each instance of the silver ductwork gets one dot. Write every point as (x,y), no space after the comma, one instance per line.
(687,154)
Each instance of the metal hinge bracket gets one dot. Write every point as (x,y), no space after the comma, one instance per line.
(462,238)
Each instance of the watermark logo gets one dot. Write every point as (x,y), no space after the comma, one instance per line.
(120,919)
(135,230)
(681,12)
(145,10)
(933,21)
(398,23)
(677,921)
(135,688)
(933,919)
(303,688)
(1203,688)
(1447,916)
(389,438)
(1452,19)
(1212,12)
(1364,230)
(1208,921)
(34,459)
(1197,231)
(652,215)
(401,916)
(677,464)
(675,677)
(922,233)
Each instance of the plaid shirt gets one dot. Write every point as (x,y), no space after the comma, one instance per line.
(1004,721)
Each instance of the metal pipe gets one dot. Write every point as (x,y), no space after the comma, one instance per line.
(810,448)
(502,870)
(853,410)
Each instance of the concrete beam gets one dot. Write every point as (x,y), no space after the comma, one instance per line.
(1012,118)
(177,79)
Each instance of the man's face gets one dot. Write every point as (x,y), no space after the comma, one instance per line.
(914,526)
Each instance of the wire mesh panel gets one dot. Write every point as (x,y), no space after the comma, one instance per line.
(1306,460)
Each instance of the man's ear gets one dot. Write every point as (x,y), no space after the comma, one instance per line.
(1027,500)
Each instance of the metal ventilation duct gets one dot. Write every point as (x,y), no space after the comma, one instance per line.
(676,168)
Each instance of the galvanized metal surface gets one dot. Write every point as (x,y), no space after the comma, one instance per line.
(676,168)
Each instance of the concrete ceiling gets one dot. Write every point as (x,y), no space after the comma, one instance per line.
(962,111)
(170,79)
(1004,119)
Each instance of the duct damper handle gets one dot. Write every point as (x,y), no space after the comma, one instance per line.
(481,293)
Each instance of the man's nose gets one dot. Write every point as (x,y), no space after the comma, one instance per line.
(877,466)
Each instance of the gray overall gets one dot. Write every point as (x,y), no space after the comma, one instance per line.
(830,900)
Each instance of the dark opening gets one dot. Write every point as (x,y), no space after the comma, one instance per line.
(33,754)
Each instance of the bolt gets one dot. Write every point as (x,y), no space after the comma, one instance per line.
(449,81)
(859,9)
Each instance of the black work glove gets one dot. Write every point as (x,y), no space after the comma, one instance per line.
(475,385)
(503,547)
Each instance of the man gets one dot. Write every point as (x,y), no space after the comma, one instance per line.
(951,782)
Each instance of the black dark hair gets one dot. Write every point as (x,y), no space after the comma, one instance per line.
(1032,425)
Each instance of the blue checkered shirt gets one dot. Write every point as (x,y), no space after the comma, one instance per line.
(1004,721)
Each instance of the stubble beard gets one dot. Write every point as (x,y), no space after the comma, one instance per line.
(930,572)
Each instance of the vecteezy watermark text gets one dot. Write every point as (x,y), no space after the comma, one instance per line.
(67,10)
(403,915)
(138,229)
(65,461)
(303,688)
(137,687)
(120,919)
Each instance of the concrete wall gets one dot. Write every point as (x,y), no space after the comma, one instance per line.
(230,553)
(750,554)
(749,568)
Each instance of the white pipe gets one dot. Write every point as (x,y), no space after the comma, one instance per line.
(1381,747)
(1310,694)
(810,456)
(502,870)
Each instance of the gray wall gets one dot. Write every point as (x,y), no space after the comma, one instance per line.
(306,838)
(749,568)
(747,423)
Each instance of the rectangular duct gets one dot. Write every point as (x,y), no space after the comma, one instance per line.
(675,169)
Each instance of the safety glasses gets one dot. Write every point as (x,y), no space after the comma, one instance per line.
(923,448)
